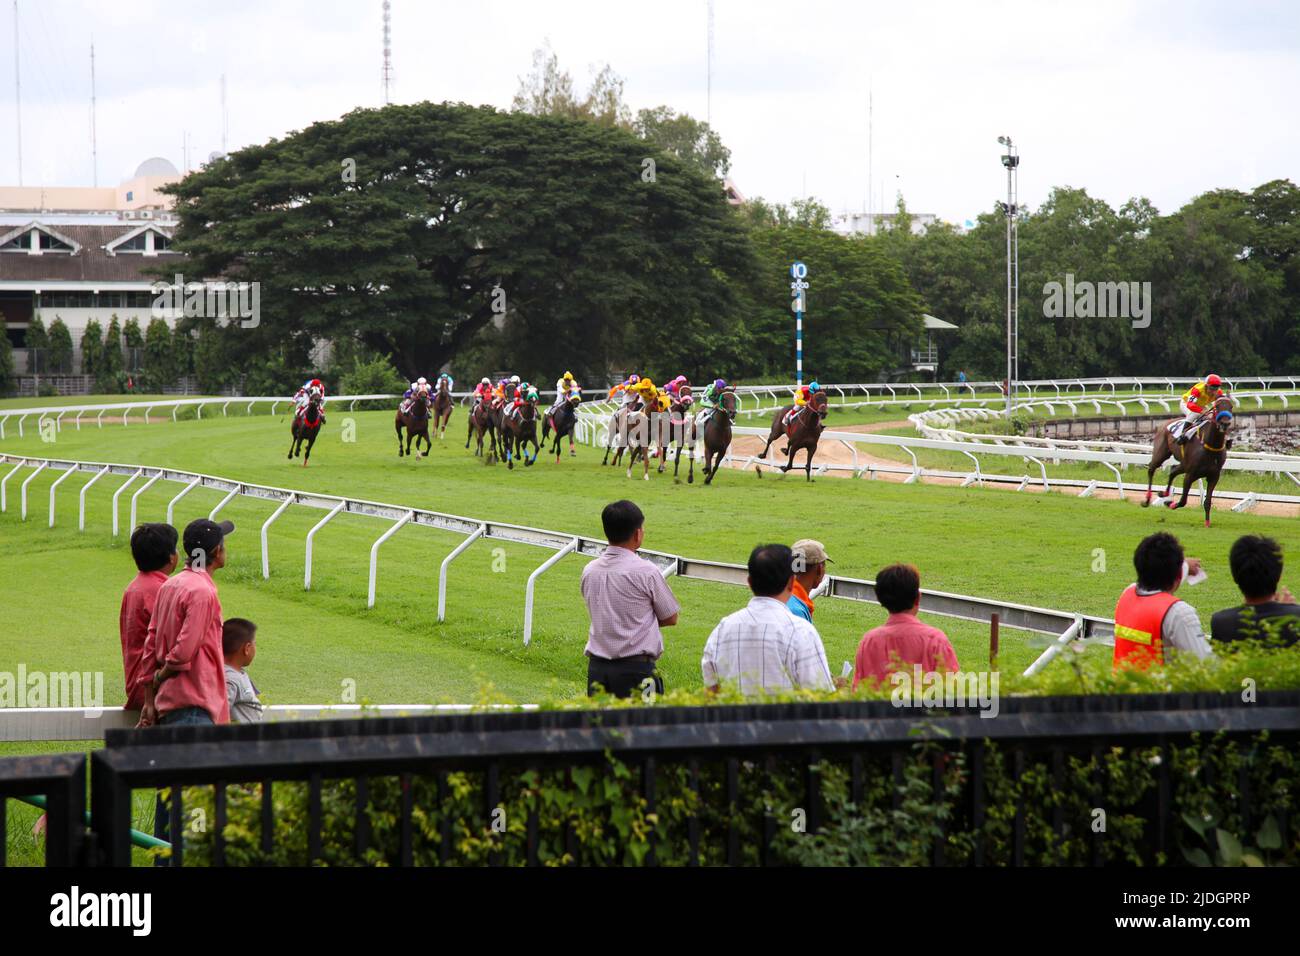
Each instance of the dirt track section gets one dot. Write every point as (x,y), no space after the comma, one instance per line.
(835,453)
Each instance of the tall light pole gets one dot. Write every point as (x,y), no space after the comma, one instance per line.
(1011,160)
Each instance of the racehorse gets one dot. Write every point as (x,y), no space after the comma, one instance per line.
(416,423)
(517,432)
(644,426)
(1202,456)
(717,434)
(804,430)
(618,429)
(442,406)
(563,420)
(482,420)
(306,426)
(682,427)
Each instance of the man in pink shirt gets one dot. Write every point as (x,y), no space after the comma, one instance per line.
(153,546)
(183,672)
(629,601)
(902,642)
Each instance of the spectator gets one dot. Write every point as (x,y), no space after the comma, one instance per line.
(809,571)
(183,665)
(239,645)
(763,648)
(1269,614)
(1148,618)
(153,546)
(629,602)
(903,641)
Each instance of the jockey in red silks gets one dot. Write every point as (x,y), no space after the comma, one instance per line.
(483,390)
(302,398)
(1197,400)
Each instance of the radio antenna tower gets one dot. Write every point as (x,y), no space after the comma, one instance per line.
(94,142)
(708,109)
(225,116)
(388,50)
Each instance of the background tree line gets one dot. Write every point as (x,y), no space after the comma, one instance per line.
(572,233)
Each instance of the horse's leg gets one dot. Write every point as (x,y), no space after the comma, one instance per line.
(1187,488)
(1173,473)
(292,439)
(469,431)
(1211,480)
(808,464)
(306,457)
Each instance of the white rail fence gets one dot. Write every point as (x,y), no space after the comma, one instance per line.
(964,607)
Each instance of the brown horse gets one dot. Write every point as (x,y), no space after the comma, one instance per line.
(416,423)
(682,430)
(482,421)
(1202,456)
(518,430)
(644,426)
(563,420)
(306,427)
(443,403)
(717,434)
(616,439)
(803,432)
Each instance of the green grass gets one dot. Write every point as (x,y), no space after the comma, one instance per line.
(63,587)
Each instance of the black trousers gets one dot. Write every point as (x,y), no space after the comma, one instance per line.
(623,677)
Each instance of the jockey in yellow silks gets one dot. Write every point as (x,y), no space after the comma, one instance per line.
(1196,401)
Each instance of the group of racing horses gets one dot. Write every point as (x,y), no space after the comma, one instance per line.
(510,427)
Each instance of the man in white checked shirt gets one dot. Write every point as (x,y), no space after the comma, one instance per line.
(763,648)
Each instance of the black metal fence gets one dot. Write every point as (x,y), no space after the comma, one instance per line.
(869,739)
(61,780)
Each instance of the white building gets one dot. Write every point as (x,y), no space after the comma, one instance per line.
(874,223)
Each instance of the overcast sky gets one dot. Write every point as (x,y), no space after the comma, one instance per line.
(1158,99)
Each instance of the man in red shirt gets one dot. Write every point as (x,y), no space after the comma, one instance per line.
(153,546)
(183,672)
(902,642)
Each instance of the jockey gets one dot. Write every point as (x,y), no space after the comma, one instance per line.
(627,389)
(709,400)
(645,388)
(802,396)
(1197,400)
(672,387)
(483,390)
(302,398)
(524,395)
(450,382)
(565,386)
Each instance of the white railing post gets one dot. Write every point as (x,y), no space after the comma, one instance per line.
(81,498)
(212,515)
(39,468)
(532,581)
(374,554)
(1055,647)
(4,484)
(118,494)
(266,561)
(306,580)
(171,505)
(58,481)
(442,569)
(141,490)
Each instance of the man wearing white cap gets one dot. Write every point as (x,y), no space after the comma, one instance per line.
(809,572)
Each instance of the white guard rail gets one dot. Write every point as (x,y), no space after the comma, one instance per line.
(964,607)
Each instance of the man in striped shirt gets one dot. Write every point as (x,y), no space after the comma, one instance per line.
(763,648)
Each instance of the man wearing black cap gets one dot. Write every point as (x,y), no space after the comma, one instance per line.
(183,671)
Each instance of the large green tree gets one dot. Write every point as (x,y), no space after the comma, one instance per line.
(414,229)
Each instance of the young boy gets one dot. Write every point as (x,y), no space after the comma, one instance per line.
(239,644)
(153,546)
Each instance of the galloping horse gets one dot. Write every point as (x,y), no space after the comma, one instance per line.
(1202,456)
(717,434)
(416,423)
(306,427)
(618,428)
(682,428)
(519,432)
(563,420)
(804,430)
(644,426)
(442,406)
(482,420)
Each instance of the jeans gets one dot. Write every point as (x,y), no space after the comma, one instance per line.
(186,716)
